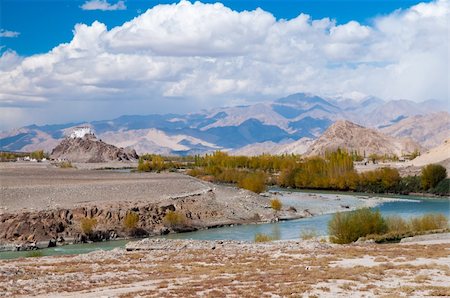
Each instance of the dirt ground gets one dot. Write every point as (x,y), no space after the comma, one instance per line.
(184,268)
(42,186)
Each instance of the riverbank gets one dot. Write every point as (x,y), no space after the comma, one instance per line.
(184,268)
(319,203)
(41,202)
(43,205)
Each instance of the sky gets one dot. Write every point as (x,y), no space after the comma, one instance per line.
(63,61)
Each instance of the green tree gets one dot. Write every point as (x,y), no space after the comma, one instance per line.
(432,174)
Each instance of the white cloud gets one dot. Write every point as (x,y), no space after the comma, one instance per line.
(103,5)
(7,33)
(192,56)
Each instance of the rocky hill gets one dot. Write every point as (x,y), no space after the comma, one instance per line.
(353,137)
(90,149)
(428,130)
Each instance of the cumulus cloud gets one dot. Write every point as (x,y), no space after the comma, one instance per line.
(7,33)
(199,55)
(103,5)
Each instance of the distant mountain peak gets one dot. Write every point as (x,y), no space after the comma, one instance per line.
(229,128)
(350,136)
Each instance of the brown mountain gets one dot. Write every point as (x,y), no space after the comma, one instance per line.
(90,149)
(353,137)
(428,130)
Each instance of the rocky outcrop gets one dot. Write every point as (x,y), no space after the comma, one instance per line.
(91,149)
(54,226)
(197,212)
(353,137)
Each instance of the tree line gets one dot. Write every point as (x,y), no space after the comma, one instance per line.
(334,171)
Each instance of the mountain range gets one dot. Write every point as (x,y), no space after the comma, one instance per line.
(285,125)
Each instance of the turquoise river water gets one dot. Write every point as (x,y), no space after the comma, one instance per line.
(407,206)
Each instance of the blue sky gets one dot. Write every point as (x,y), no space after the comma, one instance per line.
(67,61)
(45,24)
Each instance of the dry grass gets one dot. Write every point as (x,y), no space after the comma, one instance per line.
(276,204)
(251,270)
(260,237)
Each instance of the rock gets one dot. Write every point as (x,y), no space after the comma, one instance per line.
(52,243)
(292,209)
(89,149)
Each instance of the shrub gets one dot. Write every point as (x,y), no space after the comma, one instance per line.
(131,220)
(431,175)
(65,165)
(276,204)
(174,219)
(349,227)
(409,184)
(143,166)
(308,234)
(396,224)
(260,237)
(379,180)
(38,154)
(88,225)
(255,182)
(34,254)
(443,188)
(429,222)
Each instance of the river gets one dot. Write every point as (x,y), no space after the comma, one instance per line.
(406,206)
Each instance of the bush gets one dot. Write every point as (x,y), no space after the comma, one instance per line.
(429,222)
(431,176)
(308,234)
(260,237)
(38,154)
(396,224)
(143,166)
(174,219)
(409,184)
(88,225)
(379,180)
(131,220)
(34,254)
(349,227)
(65,165)
(276,204)
(443,188)
(255,182)
(399,228)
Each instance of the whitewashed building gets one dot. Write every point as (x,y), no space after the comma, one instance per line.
(80,132)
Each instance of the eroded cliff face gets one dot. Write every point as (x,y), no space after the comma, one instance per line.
(197,211)
(66,223)
(91,149)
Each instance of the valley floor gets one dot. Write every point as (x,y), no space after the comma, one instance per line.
(186,268)
(40,202)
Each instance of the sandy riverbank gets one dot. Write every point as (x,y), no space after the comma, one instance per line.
(183,268)
(327,203)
